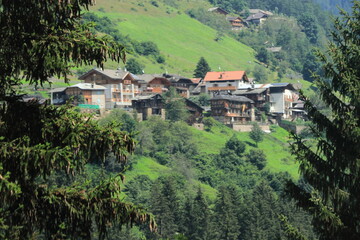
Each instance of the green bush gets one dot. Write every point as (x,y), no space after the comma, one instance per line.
(154,3)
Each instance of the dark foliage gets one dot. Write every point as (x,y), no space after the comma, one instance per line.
(202,67)
(332,170)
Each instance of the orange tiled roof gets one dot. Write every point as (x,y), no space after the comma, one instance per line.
(224,76)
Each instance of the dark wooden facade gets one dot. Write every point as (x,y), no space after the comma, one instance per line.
(196,112)
(158,85)
(230,109)
(260,96)
(148,106)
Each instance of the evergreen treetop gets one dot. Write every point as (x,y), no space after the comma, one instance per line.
(202,67)
(41,39)
(332,169)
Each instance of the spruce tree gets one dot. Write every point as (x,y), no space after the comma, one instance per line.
(259,219)
(226,214)
(41,39)
(332,168)
(200,217)
(165,206)
(202,68)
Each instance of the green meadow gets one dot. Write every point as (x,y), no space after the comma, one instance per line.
(181,39)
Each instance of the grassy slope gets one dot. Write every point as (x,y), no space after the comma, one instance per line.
(181,39)
(148,166)
(275,146)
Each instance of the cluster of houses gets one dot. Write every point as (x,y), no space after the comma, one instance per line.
(255,17)
(234,98)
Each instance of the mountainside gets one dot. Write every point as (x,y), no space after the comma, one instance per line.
(181,39)
(333,5)
(180,173)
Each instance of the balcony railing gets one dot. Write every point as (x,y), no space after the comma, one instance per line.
(237,115)
(125,90)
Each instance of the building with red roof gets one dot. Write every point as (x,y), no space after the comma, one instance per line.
(225,81)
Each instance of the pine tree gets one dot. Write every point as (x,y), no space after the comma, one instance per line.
(165,206)
(332,169)
(259,220)
(41,39)
(200,217)
(202,67)
(226,214)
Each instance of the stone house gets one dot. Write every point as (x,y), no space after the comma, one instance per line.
(85,95)
(121,86)
(147,106)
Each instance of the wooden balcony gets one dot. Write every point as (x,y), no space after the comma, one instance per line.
(245,115)
(225,88)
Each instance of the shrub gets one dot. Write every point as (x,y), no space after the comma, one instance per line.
(236,145)
(154,3)
(257,158)
(134,66)
(160,59)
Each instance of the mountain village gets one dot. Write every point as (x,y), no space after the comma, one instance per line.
(235,99)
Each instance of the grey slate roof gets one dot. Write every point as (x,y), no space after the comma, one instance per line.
(251,91)
(282,85)
(256,16)
(232,98)
(217,9)
(254,11)
(145,97)
(88,86)
(114,74)
(148,77)
(274,49)
(57,90)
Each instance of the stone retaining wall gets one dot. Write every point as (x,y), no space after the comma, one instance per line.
(248,127)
